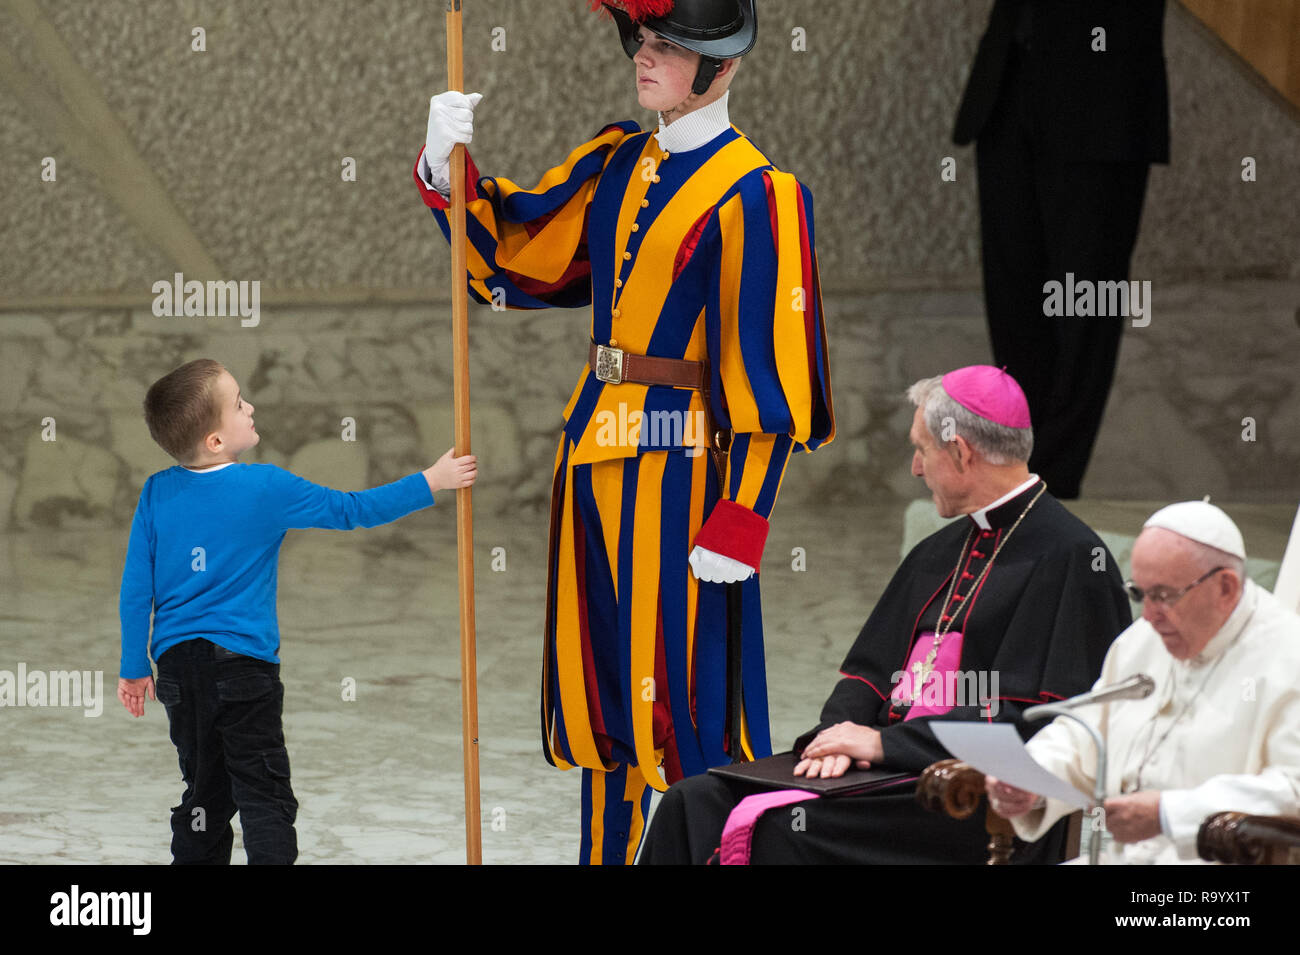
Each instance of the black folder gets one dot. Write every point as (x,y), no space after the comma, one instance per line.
(777,772)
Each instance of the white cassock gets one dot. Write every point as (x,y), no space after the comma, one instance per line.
(1220,732)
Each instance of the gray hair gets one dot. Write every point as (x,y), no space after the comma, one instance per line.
(997,444)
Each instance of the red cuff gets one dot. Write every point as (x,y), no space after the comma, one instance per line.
(433,199)
(734,531)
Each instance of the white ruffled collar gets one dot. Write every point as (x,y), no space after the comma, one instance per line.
(695,128)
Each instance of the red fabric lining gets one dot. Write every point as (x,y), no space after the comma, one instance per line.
(434,200)
(690,687)
(809,296)
(687,248)
(771,213)
(579,268)
(664,735)
(588,663)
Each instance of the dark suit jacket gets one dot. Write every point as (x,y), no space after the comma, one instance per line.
(1098,106)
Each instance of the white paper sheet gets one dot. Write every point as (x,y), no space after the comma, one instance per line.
(996,750)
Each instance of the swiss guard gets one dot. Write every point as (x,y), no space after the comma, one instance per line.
(707,368)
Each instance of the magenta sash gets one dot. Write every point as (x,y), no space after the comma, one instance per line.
(738,833)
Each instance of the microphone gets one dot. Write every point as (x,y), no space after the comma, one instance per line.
(1136,687)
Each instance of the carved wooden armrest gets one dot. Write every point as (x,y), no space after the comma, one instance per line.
(951,786)
(956,788)
(1237,838)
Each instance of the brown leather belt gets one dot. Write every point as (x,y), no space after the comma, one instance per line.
(615,366)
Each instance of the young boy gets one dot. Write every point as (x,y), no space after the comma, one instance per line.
(202,557)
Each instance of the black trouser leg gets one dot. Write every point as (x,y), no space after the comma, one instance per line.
(1042,217)
(225,713)
(201,832)
(1091,213)
(250,723)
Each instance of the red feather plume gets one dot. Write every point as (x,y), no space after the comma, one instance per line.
(639,10)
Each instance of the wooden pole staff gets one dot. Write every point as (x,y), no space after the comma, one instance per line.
(464,501)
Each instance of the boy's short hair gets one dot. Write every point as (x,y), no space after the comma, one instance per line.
(180,408)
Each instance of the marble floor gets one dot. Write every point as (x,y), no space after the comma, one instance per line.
(379,778)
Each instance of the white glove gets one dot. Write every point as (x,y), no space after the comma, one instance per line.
(451,121)
(714,568)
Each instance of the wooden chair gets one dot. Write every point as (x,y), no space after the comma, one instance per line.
(1236,838)
(953,787)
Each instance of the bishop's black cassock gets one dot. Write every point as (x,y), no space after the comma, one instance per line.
(1042,618)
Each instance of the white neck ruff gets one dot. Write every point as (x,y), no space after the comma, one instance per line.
(695,128)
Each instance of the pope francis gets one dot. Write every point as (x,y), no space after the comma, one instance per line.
(1222,729)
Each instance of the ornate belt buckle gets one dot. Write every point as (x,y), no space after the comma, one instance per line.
(609,364)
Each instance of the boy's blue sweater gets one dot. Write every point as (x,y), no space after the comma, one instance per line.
(238,515)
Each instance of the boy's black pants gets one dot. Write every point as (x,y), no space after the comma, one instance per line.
(225,715)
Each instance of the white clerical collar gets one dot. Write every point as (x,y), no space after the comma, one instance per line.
(1232,627)
(215,467)
(695,128)
(981,517)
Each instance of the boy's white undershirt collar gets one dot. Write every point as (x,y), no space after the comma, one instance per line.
(695,128)
(215,467)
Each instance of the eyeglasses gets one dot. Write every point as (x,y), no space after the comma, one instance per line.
(1163,595)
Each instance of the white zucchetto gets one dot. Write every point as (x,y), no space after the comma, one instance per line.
(1202,522)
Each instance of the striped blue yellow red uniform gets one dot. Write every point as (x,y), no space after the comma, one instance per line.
(706,255)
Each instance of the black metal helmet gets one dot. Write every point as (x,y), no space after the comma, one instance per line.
(715,29)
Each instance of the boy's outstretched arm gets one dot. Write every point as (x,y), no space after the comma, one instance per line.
(297,502)
(132,693)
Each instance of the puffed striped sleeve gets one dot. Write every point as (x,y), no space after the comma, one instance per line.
(527,248)
(767,345)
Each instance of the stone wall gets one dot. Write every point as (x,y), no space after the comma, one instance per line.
(1174,427)
(244,142)
(246,139)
